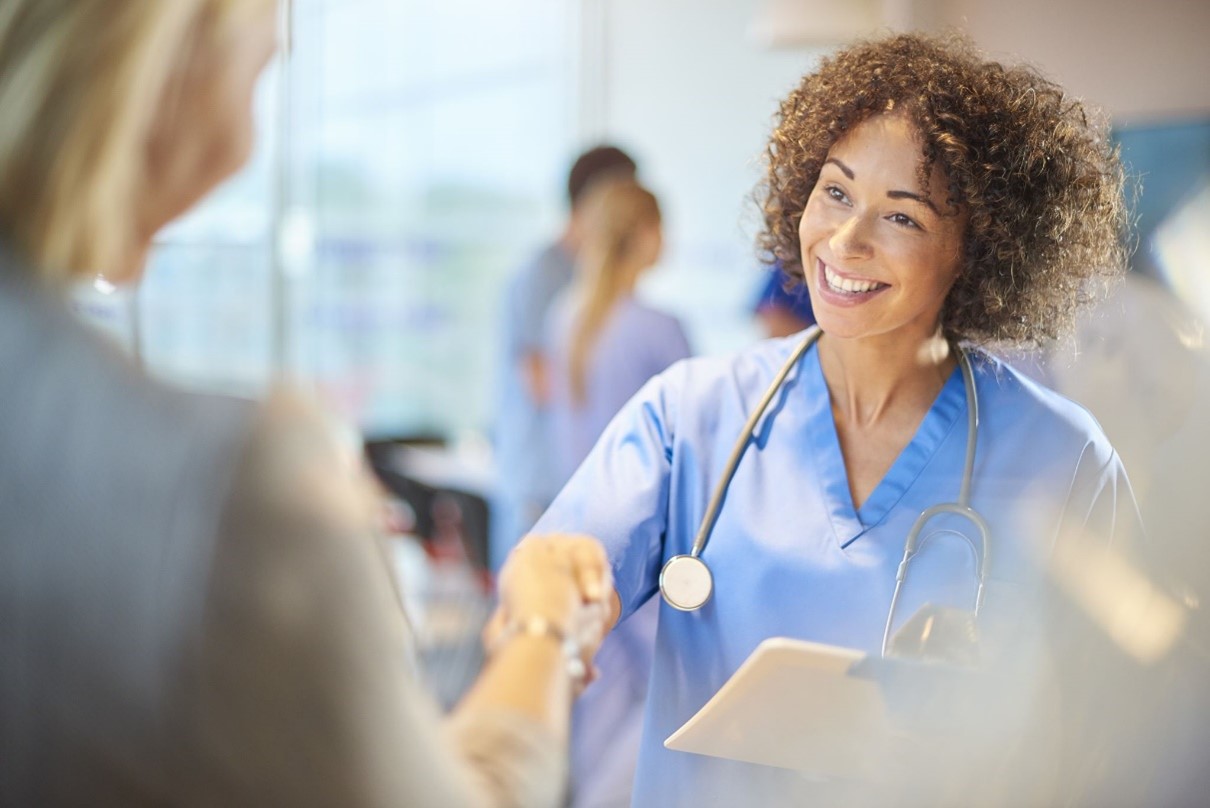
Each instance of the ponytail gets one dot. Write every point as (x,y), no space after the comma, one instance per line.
(615,216)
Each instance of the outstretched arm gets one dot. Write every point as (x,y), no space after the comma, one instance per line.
(302,688)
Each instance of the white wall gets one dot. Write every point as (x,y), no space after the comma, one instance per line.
(693,98)
(1142,60)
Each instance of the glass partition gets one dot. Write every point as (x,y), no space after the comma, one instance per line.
(409,155)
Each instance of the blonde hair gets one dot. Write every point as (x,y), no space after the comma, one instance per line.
(80,81)
(615,214)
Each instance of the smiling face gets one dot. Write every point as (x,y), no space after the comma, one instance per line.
(879,252)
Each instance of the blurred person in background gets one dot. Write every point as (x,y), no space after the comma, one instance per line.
(932,202)
(1139,362)
(1139,723)
(526,480)
(604,344)
(194,609)
(781,311)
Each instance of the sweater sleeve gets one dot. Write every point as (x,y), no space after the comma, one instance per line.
(303,690)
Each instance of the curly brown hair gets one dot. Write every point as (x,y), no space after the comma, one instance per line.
(1034,169)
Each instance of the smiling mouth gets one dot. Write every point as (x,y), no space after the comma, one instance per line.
(852,287)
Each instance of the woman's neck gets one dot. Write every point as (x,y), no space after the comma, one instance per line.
(871,379)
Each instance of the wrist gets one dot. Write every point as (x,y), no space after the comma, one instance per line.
(543,628)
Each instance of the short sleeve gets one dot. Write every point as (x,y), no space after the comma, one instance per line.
(620,493)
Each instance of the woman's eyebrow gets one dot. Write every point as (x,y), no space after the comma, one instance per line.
(848,172)
(923,200)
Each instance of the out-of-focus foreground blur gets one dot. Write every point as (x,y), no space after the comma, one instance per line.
(411,154)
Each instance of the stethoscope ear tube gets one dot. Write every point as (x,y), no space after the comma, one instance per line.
(909,550)
(961,508)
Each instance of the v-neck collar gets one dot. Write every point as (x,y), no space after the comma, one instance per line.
(850,523)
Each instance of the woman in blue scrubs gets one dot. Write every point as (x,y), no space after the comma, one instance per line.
(928,199)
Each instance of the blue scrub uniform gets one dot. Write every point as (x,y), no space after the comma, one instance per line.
(790,554)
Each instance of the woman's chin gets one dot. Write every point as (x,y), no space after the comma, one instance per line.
(843,327)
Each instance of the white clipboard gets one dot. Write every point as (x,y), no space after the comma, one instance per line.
(830,712)
(786,685)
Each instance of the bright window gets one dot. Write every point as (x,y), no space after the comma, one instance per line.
(411,153)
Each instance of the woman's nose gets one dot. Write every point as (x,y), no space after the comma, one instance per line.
(851,238)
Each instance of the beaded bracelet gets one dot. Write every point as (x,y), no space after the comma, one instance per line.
(538,626)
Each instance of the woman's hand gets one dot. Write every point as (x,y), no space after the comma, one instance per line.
(563,579)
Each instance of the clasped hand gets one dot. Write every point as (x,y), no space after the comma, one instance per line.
(564,579)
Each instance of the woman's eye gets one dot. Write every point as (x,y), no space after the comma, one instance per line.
(835,193)
(900,219)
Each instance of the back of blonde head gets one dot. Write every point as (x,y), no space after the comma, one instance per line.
(79,84)
(616,213)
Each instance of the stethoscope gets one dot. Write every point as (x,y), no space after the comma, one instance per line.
(686,582)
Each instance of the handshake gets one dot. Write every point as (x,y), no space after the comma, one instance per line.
(561,586)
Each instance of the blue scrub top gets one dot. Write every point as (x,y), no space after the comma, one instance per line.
(790,554)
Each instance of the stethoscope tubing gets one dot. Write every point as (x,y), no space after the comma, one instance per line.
(962,507)
(745,437)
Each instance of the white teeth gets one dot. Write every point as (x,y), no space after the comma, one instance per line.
(839,284)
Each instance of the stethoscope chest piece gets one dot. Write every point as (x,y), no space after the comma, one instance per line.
(686,582)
